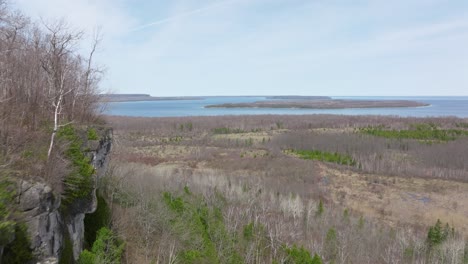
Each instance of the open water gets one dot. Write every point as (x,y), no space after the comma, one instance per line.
(439,106)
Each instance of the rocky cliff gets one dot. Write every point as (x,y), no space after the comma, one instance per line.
(49,226)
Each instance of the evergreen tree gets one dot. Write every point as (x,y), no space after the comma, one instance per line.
(331,246)
(320,209)
(438,234)
(317,259)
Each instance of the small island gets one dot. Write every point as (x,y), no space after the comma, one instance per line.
(299,97)
(143,97)
(322,104)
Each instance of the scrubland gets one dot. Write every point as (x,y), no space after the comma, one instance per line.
(280,189)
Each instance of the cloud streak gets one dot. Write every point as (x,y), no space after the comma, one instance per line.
(181,15)
(269,46)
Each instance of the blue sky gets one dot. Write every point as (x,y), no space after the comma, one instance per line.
(273,47)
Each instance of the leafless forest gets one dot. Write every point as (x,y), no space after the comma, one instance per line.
(45,83)
(261,199)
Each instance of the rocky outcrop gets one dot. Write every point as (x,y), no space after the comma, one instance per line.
(40,209)
(46,222)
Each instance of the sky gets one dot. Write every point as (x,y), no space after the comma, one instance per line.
(273,47)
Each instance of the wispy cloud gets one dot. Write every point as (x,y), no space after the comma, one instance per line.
(267,46)
(182,15)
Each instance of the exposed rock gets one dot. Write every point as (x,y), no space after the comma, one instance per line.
(46,223)
(49,261)
(31,196)
(75,227)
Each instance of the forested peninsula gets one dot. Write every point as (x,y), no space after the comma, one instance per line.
(322,104)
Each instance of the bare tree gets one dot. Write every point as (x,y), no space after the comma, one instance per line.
(56,64)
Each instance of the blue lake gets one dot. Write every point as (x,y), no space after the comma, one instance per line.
(439,106)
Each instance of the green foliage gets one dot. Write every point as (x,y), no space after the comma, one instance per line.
(187,190)
(361,222)
(187,126)
(325,156)
(175,203)
(462,125)
(408,253)
(79,183)
(13,236)
(248,231)
(299,255)
(92,134)
(123,198)
(438,234)
(67,252)
(249,142)
(331,245)
(279,125)
(87,257)
(107,249)
(346,215)
(7,227)
(418,131)
(316,259)
(227,130)
(18,251)
(6,196)
(97,220)
(320,209)
(201,230)
(190,256)
(7,232)
(465,252)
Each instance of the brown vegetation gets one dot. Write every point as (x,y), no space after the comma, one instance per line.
(44,84)
(379,210)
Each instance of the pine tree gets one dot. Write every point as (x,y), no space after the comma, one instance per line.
(320,209)
(331,246)
(436,234)
(317,259)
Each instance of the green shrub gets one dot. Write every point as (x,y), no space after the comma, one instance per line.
(331,245)
(248,231)
(66,255)
(97,220)
(190,256)
(320,209)
(316,259)
(175,203)
(87,257)
(438,234)
(106,249)
(79,183)
(296,255)
(416,131)
(227,130)
(7,227)
(18,251)
(13,236)
(92,134)
(325,156)
(201,229)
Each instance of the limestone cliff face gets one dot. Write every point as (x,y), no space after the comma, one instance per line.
(48,226)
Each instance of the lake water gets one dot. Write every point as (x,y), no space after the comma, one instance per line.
(439,106)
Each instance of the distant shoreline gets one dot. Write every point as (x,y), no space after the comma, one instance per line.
(112,98)
(323,104)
